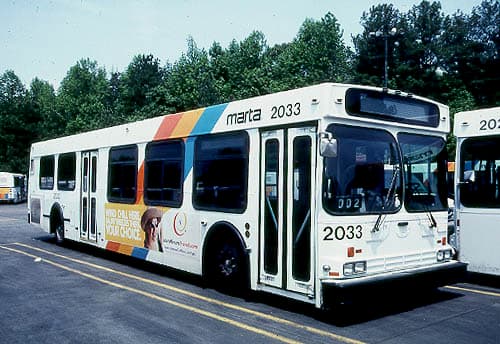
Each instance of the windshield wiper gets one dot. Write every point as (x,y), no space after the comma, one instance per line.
(431,218)
(388,200)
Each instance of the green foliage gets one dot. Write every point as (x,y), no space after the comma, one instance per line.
(83,98)
(450,58)
(16,123)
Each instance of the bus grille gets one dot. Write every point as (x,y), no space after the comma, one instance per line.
(385,264)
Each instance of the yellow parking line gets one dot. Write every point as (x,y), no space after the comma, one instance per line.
(206,299)
(483,292)
(163,299)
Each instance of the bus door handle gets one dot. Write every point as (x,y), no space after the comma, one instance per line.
(403,224)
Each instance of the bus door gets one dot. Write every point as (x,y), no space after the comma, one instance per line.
(287,204)
(88,226)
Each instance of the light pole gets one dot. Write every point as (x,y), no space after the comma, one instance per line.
(385,36)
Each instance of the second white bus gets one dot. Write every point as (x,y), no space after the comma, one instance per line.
(477,194)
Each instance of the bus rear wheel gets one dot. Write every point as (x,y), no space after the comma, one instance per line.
(227,266)
(59,233)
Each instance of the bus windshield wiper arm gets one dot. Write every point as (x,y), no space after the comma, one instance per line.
(431,218)
(388,200)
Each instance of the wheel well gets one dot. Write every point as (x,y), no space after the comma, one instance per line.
(56,217)
(221,231)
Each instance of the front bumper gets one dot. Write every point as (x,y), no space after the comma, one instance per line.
(352,289)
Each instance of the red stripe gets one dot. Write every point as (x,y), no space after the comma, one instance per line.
(113,246)
(167,126)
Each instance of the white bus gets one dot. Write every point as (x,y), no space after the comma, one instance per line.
(12,187)
(312,194)
(477,194)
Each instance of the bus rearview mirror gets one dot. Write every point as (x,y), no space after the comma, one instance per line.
(328,145)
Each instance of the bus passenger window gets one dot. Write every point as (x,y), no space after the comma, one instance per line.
(122,181)
(66,171)
(47,172)
(164,173)
(220,172)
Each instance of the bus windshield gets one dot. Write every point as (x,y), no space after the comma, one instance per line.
(480,173)
(424,159)
(364,177)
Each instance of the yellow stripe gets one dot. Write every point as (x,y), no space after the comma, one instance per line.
(187,123)
(489,293)
(206,299)
(163,299)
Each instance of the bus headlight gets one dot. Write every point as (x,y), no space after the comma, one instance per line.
(354,268)
(443,255)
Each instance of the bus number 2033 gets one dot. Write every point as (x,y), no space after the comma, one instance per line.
(341,232)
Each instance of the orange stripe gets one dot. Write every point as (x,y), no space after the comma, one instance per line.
(125,249)
(140,185)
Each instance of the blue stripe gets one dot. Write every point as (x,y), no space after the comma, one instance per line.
(139,252)
(188,160)
(208,119)
(205,124)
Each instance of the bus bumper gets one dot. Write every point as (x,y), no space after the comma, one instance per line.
(354,289)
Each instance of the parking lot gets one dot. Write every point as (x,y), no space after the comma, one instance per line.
(75,294)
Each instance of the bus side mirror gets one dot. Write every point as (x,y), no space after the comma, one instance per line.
(327,145)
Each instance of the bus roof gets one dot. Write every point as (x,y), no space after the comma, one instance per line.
(278,109)
(481,122)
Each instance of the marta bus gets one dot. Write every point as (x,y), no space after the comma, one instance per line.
(12,187)
(477,194)
(312,194)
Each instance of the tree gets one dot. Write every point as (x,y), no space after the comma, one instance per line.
(15,124)
(317,54)
(42,100)
(370,48)
(239,71)
(190,80)
(140,91)
(83,99)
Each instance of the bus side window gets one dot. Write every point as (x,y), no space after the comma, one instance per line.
(66,172)
(220,172)
(47,165)
(122,184)
(164,173)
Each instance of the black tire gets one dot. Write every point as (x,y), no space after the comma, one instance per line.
(59,232)
(227,265)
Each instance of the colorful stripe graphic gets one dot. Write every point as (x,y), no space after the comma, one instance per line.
(180,125)
(136,252)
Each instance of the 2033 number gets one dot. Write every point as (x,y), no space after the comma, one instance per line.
(287,110)
(341,232)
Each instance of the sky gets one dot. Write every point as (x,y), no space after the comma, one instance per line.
(45,38)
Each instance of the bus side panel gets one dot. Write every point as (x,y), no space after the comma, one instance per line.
(477,228)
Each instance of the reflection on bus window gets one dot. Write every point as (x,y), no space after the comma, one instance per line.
(364,177)
(425,167)
(220,172)
(164,173)
(66,172)
(47,165)
(480,173)
(122,174)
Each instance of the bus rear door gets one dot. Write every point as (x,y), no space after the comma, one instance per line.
(88,225)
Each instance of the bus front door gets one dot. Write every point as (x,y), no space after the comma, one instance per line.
(88,226)
(287,204)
